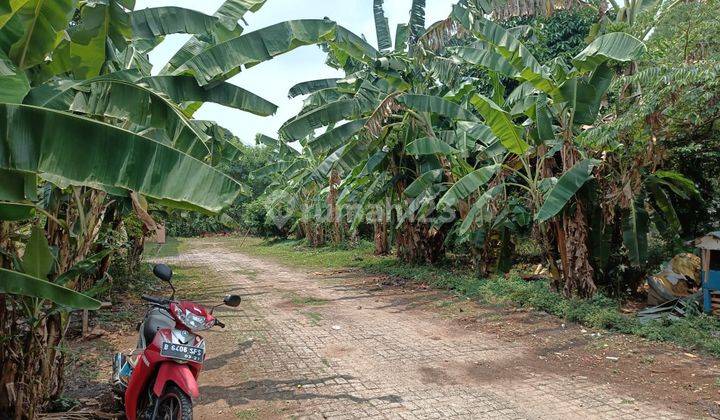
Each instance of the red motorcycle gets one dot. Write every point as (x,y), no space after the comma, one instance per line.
(159,380)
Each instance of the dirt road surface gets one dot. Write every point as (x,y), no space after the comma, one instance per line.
(315,345)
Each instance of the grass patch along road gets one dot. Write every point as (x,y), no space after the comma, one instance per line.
(694,332)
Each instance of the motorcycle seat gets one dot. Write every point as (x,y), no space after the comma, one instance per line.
(156,319)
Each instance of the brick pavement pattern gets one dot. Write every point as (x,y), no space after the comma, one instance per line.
(362,356)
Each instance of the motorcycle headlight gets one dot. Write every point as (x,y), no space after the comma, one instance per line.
(191,320)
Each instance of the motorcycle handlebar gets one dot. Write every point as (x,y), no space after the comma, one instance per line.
(164,301)
(156,300)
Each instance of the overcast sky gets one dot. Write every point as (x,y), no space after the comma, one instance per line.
(273,79)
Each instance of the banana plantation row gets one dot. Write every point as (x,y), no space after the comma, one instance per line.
(460,139)
(471,135)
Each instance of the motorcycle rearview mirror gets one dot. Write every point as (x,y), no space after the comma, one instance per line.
(163,272)
(232,300)
(229,300)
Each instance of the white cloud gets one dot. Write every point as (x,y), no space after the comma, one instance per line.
(273,79)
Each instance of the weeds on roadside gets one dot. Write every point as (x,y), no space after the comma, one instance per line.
(697,332)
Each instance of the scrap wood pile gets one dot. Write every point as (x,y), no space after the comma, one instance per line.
(675,291)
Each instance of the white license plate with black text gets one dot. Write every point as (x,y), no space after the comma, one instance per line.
(179,351)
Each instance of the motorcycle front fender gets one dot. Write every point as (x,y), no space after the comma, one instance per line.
(179,374)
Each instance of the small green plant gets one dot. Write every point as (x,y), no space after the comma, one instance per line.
(298,300)
(249,414)
(314,317)
(62,404)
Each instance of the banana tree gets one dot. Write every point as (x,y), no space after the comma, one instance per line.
(296,198)
(542,124)
(76,79)
(359,140)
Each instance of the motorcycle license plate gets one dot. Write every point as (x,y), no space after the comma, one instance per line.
(179,351)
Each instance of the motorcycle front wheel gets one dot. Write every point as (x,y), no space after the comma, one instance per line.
(174,404)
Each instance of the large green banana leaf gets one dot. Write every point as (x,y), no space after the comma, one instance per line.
(145,109)
(584,97)
(665,217)
(332,139)
(311,86)
(568,184)
(501,124)
(270,169)
(617,46)
(514,53)
(373,162)
(16,211)
(344,109)
(437,105)
(477,131)
(346,157)
(17,190)
(417,19)
(402,32)
(186,89)
(423,182)
(9,8)
(482,55)
(382,28)
(86,52)
(159,21)
(677,182)
(229,13)
(468,185)
(480,208)
(353,45)
(81,151)
(521,98)
(101,25)
(280,146)
(128,96)
(224,59)
(15,84)
(233,10)
(60,93)
(37,260)
(17,186)
(34,29)
(543,119)
(635,231)
(321,98)
(429,146)
(13,282)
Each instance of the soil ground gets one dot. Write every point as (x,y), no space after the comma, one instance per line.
(340,344)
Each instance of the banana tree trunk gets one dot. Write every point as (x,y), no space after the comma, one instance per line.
(573,239)
(314,233)
(417,243)
(550,235)
(382,243)
(337,231)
